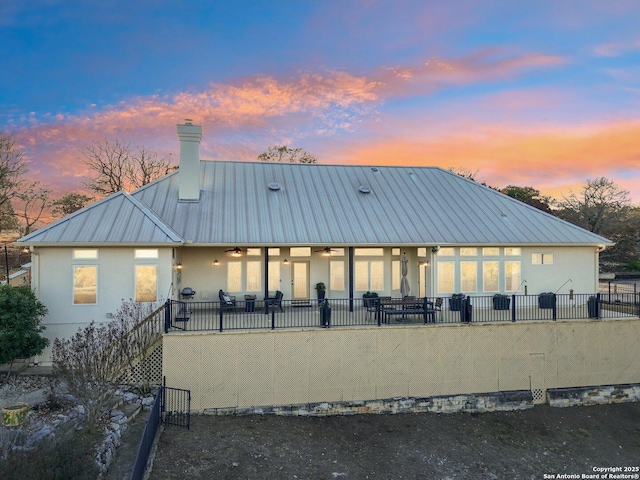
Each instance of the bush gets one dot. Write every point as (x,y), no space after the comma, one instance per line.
(21,315)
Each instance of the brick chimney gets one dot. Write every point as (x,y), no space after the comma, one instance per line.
(189,173)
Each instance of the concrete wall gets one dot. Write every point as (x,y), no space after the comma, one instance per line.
(52,281)
(243,369)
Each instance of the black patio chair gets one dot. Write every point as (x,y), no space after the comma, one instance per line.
(275,300)
(227,301)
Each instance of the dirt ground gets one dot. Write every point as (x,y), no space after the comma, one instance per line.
(502,445)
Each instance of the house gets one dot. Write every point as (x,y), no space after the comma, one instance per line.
(254,228)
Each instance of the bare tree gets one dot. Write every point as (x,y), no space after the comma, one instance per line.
(119,166)
(599,207)
(69,203)
(12,169)
(281,153)
(33,200)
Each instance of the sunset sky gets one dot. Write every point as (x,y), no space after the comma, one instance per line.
(534,93)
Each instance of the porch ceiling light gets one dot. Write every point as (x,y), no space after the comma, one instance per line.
(286,262)
(216,263)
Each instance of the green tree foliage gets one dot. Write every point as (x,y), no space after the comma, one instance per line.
(281,153)
(21,315)
(530,196)
(69,203)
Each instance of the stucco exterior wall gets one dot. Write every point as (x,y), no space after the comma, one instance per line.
(242,369)
(52,281)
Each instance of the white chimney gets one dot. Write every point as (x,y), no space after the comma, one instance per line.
(189,173)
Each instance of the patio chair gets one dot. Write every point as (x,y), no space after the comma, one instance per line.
(275,300)
(226,301)
(433,308)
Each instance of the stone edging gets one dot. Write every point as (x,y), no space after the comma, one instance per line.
(593,395)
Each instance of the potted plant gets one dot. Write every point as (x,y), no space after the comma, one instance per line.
(593,307)
(501,301)
(455,302)
(325,314)
(547,300)
(368,299)
(321,289)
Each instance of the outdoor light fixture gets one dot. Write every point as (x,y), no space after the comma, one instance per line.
(286,262)
(216,263)
(25,250)
(178,267)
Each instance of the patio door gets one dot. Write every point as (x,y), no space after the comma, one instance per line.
(423,271)
(299,280)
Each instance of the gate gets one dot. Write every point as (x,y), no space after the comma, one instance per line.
(176,407)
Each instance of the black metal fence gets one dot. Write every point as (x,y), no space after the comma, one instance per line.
(258,315)
(172,407)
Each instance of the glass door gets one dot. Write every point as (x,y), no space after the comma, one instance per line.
(300,280)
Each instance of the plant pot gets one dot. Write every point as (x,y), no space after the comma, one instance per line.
(325,317)
(547,301)
(321,295)
(501,303)
(455,304)
(14,415)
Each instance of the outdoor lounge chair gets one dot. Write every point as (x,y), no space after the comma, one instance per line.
(226,300)
(275,300)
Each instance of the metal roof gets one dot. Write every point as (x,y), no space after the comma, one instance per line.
(326,205)
(116,220)
(315,205)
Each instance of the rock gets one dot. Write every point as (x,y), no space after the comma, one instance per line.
(147,401)
(130,397)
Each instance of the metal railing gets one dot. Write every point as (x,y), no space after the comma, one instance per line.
(148,437)
(256,315)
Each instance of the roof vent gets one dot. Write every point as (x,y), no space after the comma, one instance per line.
(364,189)
(274,186)
(374,169)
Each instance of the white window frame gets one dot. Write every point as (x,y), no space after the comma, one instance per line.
(135,276)
(145,253)
(485,264)
(439,280)
(258,280)
(475,276)
(336,275)
(73,290)
(85,254)
(542,259)
(506,275)
(234,287)
(370,281)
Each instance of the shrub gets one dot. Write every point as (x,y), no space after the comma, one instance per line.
(21,315)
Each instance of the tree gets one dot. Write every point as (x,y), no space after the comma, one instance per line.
(69,203)
(599,207)
(119,166)
(12,169)
(281,153)
(8,219)
(528,195)
(21,315)
(33,199)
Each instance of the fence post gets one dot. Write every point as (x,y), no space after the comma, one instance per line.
(513,307)
(167,316)
(378,310)
(273,317)
(555,305)
(221,316)
(598,306)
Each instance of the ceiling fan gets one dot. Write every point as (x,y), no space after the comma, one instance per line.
(326,251)
(235,252)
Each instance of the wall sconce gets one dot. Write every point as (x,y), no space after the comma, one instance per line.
(286,262)
(25,250)
(178,267)
(216,263)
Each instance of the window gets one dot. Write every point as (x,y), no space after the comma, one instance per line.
(336,275)
(446,277)
(395,251)
(468,276)
(85,284)
(395,275)
(274,276)
(490,276)
(369,252)
(446,252)
(542,258)
(511,276)
(145,253)
(468,252)
(85,254)
(491,251)
(234,276)
(253,276)
(300,251)
(146,283)
(253,252)
(513,251)
(273,252)
(369,275)
(422,252)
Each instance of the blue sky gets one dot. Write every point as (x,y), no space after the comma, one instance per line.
(543,94)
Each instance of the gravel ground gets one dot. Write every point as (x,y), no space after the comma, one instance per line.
(503,445)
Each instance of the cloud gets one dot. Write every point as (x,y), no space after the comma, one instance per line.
(616,49)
